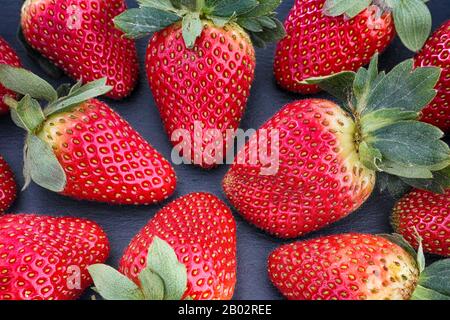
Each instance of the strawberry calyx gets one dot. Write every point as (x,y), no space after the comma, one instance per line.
(412,18)
(40,162)
(385,107)
(434,280)
(164,277)
(257,18)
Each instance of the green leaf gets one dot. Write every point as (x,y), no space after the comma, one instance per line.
(340,85)
(250,24)
(403,88)
(220,21)
(420,256)
(438,184)
(264,8)
(227,8)
(112,285)
(78,95)
(364,80)
(351,8)
(268,35)
(63,90)
(152,285)
(43,166)
(411,144)
(25,82)
(139,22)
(192,28)
(163,260)
(392,184)
(413,23)
(384,117)
(30,113)
(369,157)
(267,22)
(401,242)
(434,282)
(407,171)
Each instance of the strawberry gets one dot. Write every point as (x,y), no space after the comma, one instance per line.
(79,147)
(200,64)
(7,56)
(79,37)
(356,267)
(436,52)
(8,187)
(327,36)
(187,251)
(320,161)
(46,258)
(427,215)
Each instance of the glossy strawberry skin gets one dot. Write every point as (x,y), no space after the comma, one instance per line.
(319,181)
(343,267)
(436,52)
(425,214)
(7,56)
(8,187)
(105,159)
(318,45)
(210,83)
(202,231)
(79,37)
(39,254)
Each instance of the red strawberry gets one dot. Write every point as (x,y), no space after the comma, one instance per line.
(326,37)
(8,187)
(198,233)
(46,258)
(354,267)
(201,69)
(81,148)
(79,37)
(436,52)
(316,163)
(7,56)
(425,214)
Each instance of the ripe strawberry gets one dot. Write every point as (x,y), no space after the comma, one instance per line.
(197,233)
(425,214)
(46,258)
(354,267)
(8,188)
(7,56)
(319,163)
(436,52)
(201,69)
(81,148)
(79,37)
(326,37)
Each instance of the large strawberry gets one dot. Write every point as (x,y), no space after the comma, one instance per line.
(426,215)
(357,267)
(187,251)
(200,66)
(436,52)
(46,258)
(7,56)
(328,36)
(79,37)
(314,162)
(8,187)
(80,147)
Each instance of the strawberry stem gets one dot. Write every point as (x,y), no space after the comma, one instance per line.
(200,4)
(10,102)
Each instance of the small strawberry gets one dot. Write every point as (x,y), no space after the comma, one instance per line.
(356,267)
(200,65)
(427,215)
(8,187)
(187,251)
(328,36)
(46,258)
(79,37)
(320,161)
(436,52)
(79,147)
(7,56)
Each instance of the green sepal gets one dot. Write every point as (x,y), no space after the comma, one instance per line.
(227,8)
(25,82)
(152,285)
(350,8)
(438,184)
(139,22)
(64,90)
(29,113)
(434,282)
(42,166)
(192,28)
(112,285)
(394,185)
(369,156)
(401,242)
(268,35)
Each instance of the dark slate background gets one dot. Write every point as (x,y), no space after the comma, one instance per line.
(122,223)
